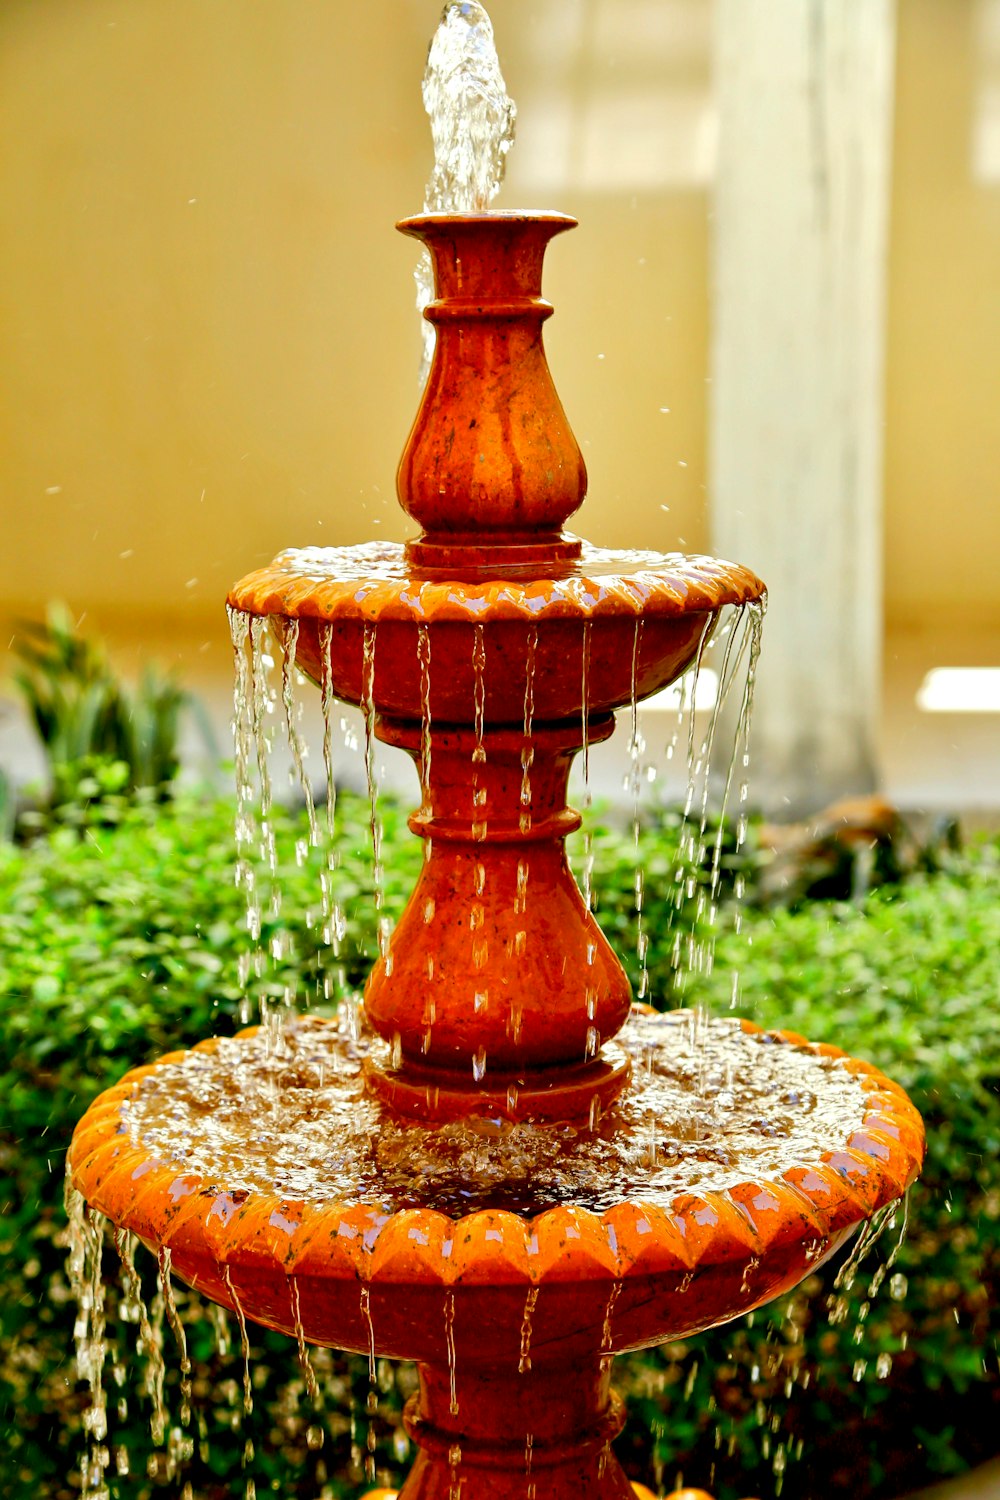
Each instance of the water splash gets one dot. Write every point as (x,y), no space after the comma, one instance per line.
(262,704)
(328,703)
(371,779)
(334,916)
(365,1301)
(472,121)
(586,800)
(449,1340)
(163,1260)
(86,1278)
(588,626)
(775,1362)
(606,1339)
(698,874)
(247,833)
(636,745)
(652,1144)
(426,743)
(305,1364)
(524,1358)
(244,1340)
(288,633)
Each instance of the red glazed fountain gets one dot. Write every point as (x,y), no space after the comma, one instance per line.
(360,1214)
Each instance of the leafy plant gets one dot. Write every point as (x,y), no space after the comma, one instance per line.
(86,718)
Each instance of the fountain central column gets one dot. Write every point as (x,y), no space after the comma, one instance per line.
(487,1434)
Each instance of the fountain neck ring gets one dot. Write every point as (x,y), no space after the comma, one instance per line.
(448,1411)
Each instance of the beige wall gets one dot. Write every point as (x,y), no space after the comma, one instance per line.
(209,340)
(207,346)
(943,388)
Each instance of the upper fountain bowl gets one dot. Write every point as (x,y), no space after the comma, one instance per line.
(617,626)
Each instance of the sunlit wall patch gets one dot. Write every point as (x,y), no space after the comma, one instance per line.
(985,142)
(960,690)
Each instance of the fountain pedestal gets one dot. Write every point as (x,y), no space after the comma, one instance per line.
(498,987)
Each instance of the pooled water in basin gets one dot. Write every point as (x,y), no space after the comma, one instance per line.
(709,1106)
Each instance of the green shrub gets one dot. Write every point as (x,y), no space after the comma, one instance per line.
(99,736)
(120,937)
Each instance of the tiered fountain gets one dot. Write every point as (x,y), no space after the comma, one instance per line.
(512,1177)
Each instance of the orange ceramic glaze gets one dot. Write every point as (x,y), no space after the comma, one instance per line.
(499,989)
(645,1494)
(512,1321)
(631,622)
(492,648)
(639,1490)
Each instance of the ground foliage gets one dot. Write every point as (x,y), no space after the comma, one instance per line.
(120,928)
(91,724)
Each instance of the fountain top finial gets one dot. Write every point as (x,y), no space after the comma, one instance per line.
(491,469)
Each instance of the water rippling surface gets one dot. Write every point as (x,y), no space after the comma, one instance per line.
(709,1106)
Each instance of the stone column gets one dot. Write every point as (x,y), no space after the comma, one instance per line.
(800,232)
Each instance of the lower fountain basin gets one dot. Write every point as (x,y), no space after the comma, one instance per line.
(609,1243)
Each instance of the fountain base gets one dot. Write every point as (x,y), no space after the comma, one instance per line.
(580,1092)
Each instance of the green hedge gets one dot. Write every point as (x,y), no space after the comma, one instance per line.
(119,938)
